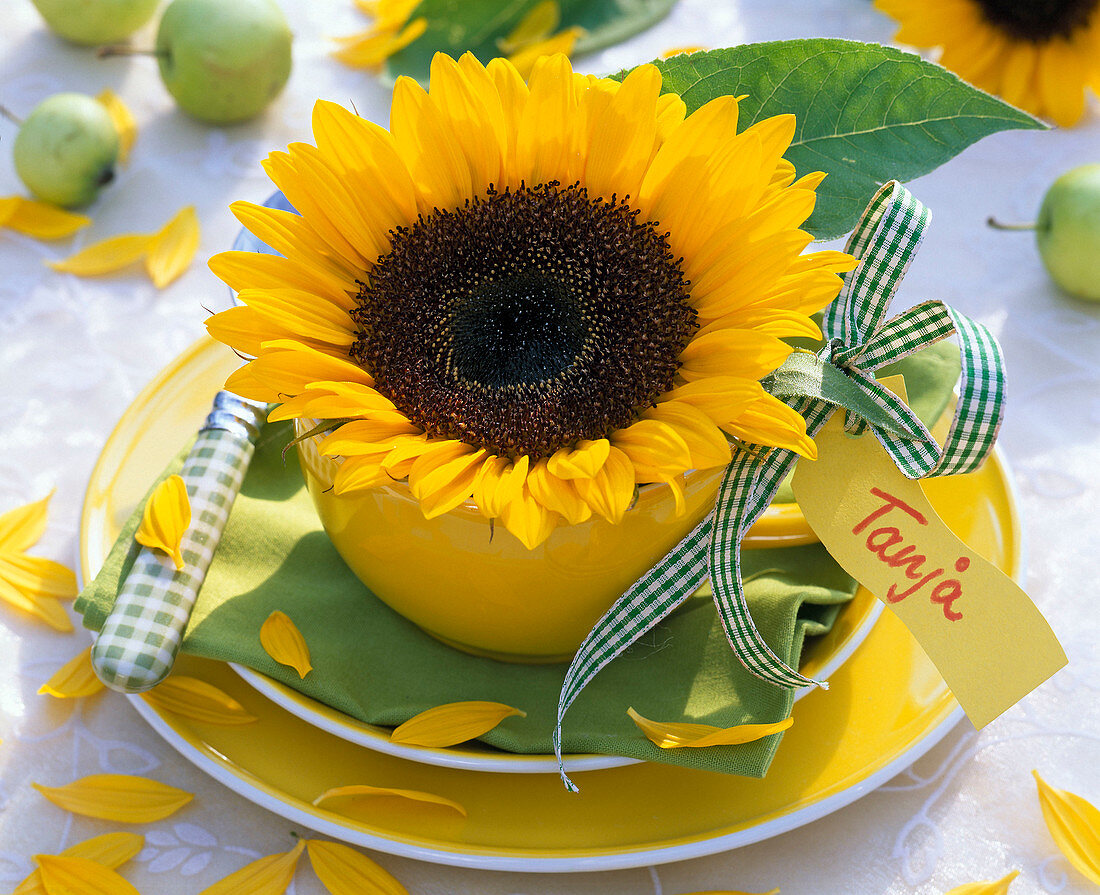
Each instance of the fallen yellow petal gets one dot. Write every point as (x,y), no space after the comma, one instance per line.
(282,640)
(111,850)
(344,871)
(106,256)
(166,518)
(265,876)
(173,247)
(39,219)
(21,527)
(197,700)
(1075,826)
(74,679)
(363,791)
(120,797)
(675,735)
(80,876)
(995,887)
(455,722)
(45,609)
(123,121)
(538,24)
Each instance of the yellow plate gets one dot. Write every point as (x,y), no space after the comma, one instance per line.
(886,706)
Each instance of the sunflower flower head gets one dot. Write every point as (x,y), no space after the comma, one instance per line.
(1040,55)
(533,296)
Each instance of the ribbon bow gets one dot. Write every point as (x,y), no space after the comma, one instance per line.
(859,340)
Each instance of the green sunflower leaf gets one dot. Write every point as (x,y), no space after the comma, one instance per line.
(867,114)
(458,26)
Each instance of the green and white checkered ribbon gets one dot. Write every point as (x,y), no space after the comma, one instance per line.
(859,340)
(137,645)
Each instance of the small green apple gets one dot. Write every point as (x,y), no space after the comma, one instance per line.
(66,149)
(223,60)
(1068,231)
(91,22)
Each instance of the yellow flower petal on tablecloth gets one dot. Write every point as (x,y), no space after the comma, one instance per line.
(364,791)
(80,876)
(166,518)
(992,887)
(172,248)
(192,698)
(344,871)
(282,640)
(106,256)
(675,735)
(74,679)
(111,850)
(265,876)
(120,797)
(33,584)
(39,219)
(452,723)
(1074,824)
(123,121)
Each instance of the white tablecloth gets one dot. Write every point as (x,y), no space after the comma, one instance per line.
(74,352)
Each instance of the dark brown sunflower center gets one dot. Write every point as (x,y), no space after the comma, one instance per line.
(1038,21)
(525,321)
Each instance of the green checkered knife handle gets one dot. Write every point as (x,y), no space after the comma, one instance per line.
(137,645)
(860,339)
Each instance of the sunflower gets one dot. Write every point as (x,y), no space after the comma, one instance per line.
(1040,55)
(535,296)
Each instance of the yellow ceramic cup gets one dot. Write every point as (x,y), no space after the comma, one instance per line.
(482,591)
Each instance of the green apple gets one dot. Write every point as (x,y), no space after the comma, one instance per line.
(91,22)
(66,149)
(223,60)
(1068,231)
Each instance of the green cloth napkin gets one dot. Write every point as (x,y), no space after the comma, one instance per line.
(377,667)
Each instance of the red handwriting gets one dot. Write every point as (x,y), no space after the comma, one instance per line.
(880,541)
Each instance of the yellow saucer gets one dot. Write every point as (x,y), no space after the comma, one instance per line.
(886,706)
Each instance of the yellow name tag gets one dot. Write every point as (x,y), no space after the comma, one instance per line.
(982,632)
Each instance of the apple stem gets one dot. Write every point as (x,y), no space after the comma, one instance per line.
(127,50)
(10,115)
(997,225)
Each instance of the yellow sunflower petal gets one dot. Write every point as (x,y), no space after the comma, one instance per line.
(119,797)
(563,42)
(995,887)
(655,449)
(363,791)
(111,850)
(444,479)
(556,494)
(74,679)
(621,140)
(676,735)
(282,640)
(582,461)
(453,723)
(771,422)
(611,490)
(370,49)
(172,248)
(265,876)
(195,699)
(123,121)
(166,518)
(37,576)
(107,256)
(546,140)
(80,876)
(706,444)
(39,219)
(344,871)
(722,352)
(1074,825)
(45,609)
(539,21)
(527,518)
(21,527)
